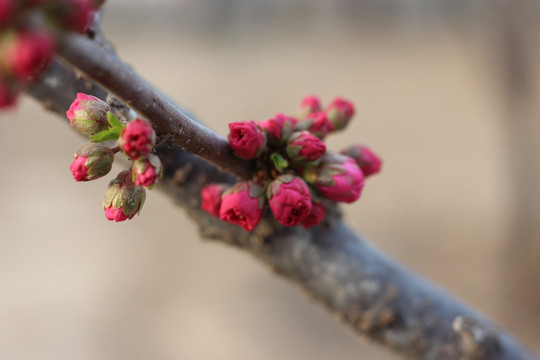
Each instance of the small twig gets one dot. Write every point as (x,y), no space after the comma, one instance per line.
(105,69)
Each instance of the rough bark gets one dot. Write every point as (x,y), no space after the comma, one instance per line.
(367,290)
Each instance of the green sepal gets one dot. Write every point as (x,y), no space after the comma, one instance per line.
(112,133)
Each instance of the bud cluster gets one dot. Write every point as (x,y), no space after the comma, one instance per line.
(125,194)
(27,43)
(297,171)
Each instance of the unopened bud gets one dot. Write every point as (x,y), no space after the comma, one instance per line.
(302,146)
(316,123)
(26,54)
(88,114)
(243,205)
(137,139)
(246,139)
(337,178)
(278,129)
(289,199)
(91,162)
(8,97)
(340,112)
(7,11)
(74,15)
(211,198)
(316,216)
(147,171)
(369,162)
(123,199)
(309,104)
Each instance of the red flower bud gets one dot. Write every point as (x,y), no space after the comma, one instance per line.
(27,54)
(8,98)
(339,112)
(369,162)
(137,139)
(279,128)
(7,11)
(74,15)
(147,171)
(302,146)
(123,199)
(92,161)
(88,114)
(211,198)
(337,177)
(289,199)
(246,139)
(309,104)
(316,123)
(316,216)
(243,205)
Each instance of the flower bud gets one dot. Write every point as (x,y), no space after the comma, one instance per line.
(74,15)
(91,162)
(243,205)
(88,114)
(316,216)
(302,146)
(339,112)
(337,177)
(123,199)
(137,139)
(211,198)
(27,53)
(7,11)
(289,199)
(316,123)
(369,162)
(309,104)
(8,97)
(246,139)
(147,171)
(278,129)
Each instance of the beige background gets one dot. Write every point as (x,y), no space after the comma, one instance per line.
(74,286)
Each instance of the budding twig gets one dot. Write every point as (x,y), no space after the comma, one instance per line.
(108,71)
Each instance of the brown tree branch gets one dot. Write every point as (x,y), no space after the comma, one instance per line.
(105,69)
(367,290)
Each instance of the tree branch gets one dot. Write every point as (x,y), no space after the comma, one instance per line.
(97,63)
(367,290)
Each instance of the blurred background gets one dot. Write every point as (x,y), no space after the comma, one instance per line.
(447,92)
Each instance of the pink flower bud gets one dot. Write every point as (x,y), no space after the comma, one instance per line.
(243,205)
(211,198)
(278,129)
(88,114)
(316,123)
(302,146)
(339,112)
(7,11)
(8,98)
(246,139)
(123,199)
(27,54)
(289,199)
(137,139)
(74,15)
(316,216)
(147,171)
(92,161)
(369,162)
(309,104)
(337,177)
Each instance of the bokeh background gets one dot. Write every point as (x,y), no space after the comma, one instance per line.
(446,91)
